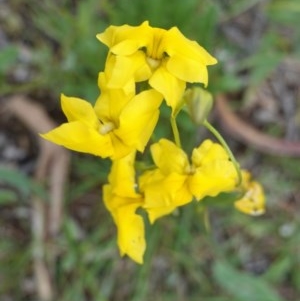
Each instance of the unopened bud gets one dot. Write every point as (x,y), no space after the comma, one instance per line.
(199,104)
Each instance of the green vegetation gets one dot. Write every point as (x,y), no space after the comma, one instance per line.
(239,258)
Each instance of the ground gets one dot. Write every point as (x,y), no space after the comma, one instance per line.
(53,223)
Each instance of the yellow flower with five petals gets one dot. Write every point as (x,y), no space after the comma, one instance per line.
(175,181)
(121,199)
(112,128)
(164,57)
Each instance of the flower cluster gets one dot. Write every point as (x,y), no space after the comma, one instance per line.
(144,67)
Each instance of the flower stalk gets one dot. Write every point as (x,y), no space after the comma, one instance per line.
(175,131)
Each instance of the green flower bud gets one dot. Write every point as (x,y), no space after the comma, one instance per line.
(199,103)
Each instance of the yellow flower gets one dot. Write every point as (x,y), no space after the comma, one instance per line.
(175,181)
(122,201)
(253,201)
(116,126)
(164,57)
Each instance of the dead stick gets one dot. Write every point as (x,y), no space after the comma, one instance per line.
(53,161)
(247,134)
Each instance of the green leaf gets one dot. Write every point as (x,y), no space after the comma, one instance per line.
(262,64)
(23,184)
(15,179)
(279,269)
(7,196)
(8,57)
(242,286)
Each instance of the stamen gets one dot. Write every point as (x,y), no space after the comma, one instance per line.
(153,63)
(106,128)
(190,169)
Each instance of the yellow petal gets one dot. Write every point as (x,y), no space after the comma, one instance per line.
(177,43)
(150,184)
(113,35)
(163,194)
(158,212)
(169,158)
(131,233)
(253,201)
(120,148)
(155,47)
(211,179)
(214,172)
(136,68)
(77,109)
(130,226)
(125,39)
(108,37)
(128,88)
(208,152)
(187,70)
(122,176)
(138,119)
(168,85)
(121,190)
(79,137)
(113,201)
(101,106)
(111,102)
(143,72)
(188,60)
(127,47)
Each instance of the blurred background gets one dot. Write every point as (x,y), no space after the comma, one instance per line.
(58,242)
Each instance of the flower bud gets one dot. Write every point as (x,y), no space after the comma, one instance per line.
(199,104)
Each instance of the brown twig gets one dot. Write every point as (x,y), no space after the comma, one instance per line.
(52,168)
(247,134)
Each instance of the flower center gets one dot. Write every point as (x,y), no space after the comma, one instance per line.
(106,128)
(190,169)
(153,64)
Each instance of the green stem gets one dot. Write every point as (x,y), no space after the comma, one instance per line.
(175,131)
(229,152)
(207,224)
